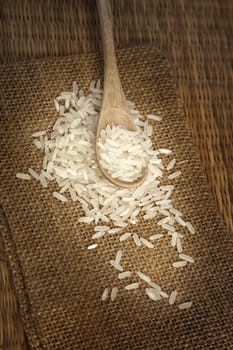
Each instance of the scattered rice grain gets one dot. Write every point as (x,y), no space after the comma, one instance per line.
(185,305)
(23,176)
(105,294)
(114,293)
(179,263)
(172,297)
(124,274)
(132,286)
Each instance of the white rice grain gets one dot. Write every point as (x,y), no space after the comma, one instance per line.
(37,144)
(156,236)
(186,258)
(125,236)
(163,294)
(185,305)
(105,294)
(114,230)
(175,212)
(137,240)
(101,228)
(147,243)
(132,286)
(92,246)
(190,227)
(124,274)
(43,181)
(143,277)
(179,245)
(168,227)
(116,265)
(174,175)
(164,151)
(152,294)
(84,219)
(56,104)
(172,297)
(114,293)
(174,239)
(98,235)
(34,174)
(39,133)
(180,221)
(154,117)
(23,176)
(60,197)
(171,164)
(118,256)
(179,263)
(155,286)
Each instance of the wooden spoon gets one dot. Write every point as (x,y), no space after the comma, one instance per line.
(114,109)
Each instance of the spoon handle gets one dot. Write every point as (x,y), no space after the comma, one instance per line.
(113,94)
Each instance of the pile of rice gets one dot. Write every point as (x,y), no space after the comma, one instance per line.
(123,153)
(70,161)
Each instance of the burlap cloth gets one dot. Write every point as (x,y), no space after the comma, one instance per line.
(58,282)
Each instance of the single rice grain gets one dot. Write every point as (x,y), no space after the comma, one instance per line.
(185,305)
(132,286)
(114,293)
(172,297)
(105,294)
(23,176)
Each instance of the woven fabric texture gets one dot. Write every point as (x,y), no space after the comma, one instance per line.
(58,282)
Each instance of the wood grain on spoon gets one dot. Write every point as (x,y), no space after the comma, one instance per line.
(114,109)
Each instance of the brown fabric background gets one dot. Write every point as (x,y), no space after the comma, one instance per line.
(58,281)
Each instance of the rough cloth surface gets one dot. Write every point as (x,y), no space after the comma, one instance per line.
(58,282)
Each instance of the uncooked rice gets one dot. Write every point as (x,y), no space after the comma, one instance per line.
(171,164)
(132,286)
(23,176)
(123,153)
(143,276)
(124,274)
(185,305)
(116,265)
(34,174)
(156,236)
(174,175)
(190,227)
(92,246)
(114,293)
(155,286)
(152,294)
(163,294)
(137,240)
(186,257)
(101,228)
(172,297)
(147,243)
(98,235)
(179,245)
(125,236)
(105,294)
(154,117)
(60,196)
(69,161)
(118,256)
(179,263)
